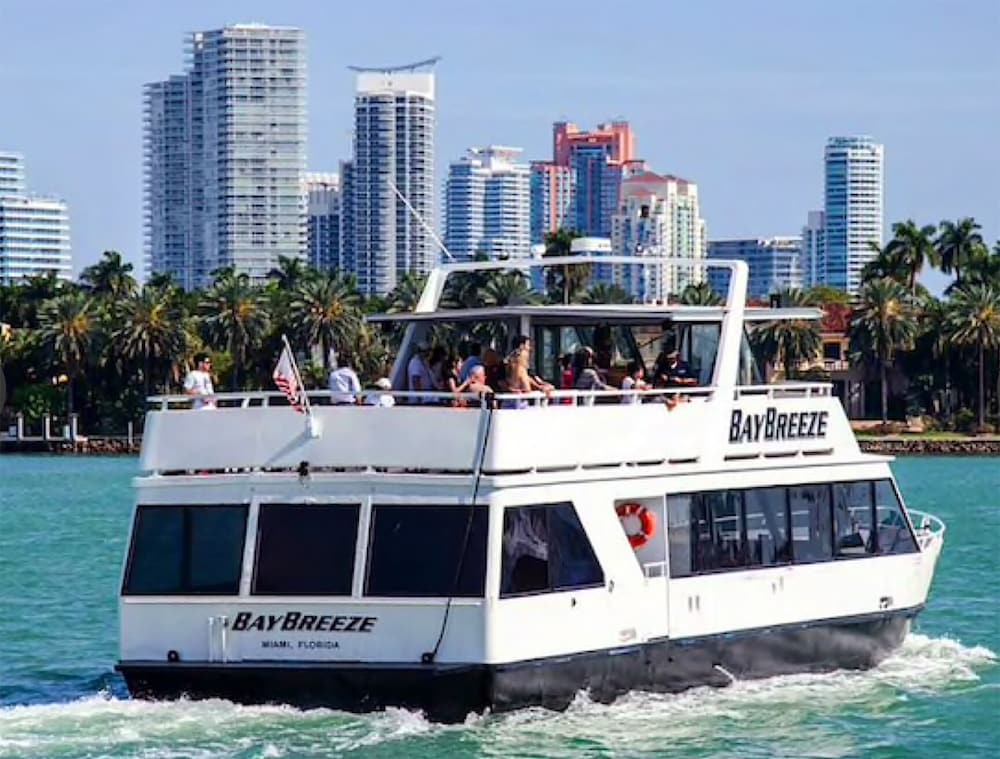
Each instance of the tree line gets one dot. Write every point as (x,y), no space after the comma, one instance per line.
(99,346)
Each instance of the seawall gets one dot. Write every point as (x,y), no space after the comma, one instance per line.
(918,446)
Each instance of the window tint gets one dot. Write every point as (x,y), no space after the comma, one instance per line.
(679,511)
(727,531)
(852,518)
(811,531)
(305,549)
(186,550)
(894,534)
(415,551)
(545,549)
(767,526)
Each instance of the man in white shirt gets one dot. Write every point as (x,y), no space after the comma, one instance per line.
(198,382)
(344,383)
(418,373)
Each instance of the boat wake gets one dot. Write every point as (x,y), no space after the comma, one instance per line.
(797,715)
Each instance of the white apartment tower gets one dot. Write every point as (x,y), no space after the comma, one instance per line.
(393,146)
(225,148)
(854,179)
(488,204)
(658,216)
(322,194)
(34,230)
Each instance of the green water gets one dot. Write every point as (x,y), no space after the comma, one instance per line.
(62,529)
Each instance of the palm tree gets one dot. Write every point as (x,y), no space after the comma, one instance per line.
(68,329)
(791,341)
(289,272)
(911,247)
(110,277)
(700,294)
(956,243)
(406,294)
(150,330)
(983,268)
(824,295)
(974,319)
(508,288)
(234,317)
(602,292)
(887,264)
(326,310)
(564,283)
(883,323)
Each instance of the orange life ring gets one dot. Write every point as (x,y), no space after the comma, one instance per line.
(647,523)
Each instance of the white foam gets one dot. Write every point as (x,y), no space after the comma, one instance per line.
(779,709)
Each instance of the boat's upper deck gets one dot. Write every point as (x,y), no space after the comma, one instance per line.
(726,415)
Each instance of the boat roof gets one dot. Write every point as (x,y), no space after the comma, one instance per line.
(605,313)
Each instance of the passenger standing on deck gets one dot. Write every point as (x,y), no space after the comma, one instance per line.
(343,381)
(418,373)
(198,382)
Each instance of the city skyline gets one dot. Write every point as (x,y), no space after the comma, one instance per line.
(747,112)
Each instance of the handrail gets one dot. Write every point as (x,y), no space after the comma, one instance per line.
(927,527)
(263,398)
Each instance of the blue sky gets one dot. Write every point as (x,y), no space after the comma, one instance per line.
(738,96)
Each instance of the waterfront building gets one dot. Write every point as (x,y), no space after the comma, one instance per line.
(225,147)
(34,229)
(774,263)
(551,199)
(393,146)
(348,259)
(814,249)
(853,191)
(487,204)
(322,193)
(658,215)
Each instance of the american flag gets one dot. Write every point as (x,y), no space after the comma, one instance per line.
(286,377)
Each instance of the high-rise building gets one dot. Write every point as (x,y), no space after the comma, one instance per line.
(600,161)
(348,260)
(774,264)
(487,204)
(12,174)
(854,178)
(658,216)
(814,249)
(551,199)
(393,147)
(322,193)
(225,148)
(34,230)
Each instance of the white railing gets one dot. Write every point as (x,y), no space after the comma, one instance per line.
(369,398)
(927,527)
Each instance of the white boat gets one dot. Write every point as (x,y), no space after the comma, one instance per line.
(495,556)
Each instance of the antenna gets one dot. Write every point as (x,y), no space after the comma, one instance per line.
(427,63)
(420,218)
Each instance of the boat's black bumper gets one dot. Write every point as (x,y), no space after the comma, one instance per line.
(448,692)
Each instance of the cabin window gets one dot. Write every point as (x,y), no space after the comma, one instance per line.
(724,546)
(186,550)
(545,548)
(811,530)
(305,549)
(420,550)
(680,513)
(702,346)
(852,518)
(767,526)
(893,531)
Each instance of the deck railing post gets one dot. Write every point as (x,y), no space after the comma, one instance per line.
(74,423)
(46,427)
(19,429)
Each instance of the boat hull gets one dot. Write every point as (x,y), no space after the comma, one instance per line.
(448,692)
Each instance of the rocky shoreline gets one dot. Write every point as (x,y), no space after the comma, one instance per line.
(917,446)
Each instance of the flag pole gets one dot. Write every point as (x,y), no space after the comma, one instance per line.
(313,426)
